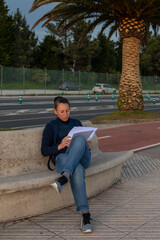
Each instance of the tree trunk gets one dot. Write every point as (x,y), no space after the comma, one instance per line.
(130,91)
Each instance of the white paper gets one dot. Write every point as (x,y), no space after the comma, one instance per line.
(86,132)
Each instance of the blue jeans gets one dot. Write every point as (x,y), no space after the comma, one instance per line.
(75,161)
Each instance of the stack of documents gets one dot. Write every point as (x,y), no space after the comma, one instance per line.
(86,132)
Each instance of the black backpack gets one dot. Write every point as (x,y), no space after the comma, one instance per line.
(52,157)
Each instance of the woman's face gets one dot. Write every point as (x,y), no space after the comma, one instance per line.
(63,111)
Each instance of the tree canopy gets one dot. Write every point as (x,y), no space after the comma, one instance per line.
(131,17)
(25,42)
(19,46)
(150,57)
(107,13)
(7,35)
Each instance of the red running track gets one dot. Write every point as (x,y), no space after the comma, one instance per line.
(128,137)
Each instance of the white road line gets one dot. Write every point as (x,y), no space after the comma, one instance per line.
(104,137)
(143,148)
(25,119)
(29,126)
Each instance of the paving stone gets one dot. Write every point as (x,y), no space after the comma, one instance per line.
(129,238)
(116,196)
(123,219)
(147,204)
(58,221)
(99,206)
(56,238)
(139,165)
(1,225)
(136,186)
(149,231)
(101,232)
(24,230)
(151,179)
(151,152)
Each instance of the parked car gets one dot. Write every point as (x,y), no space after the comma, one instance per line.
(103,88)
(69,86)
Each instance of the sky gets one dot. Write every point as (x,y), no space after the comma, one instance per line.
(31,18)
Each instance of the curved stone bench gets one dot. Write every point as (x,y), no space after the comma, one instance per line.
(25,189)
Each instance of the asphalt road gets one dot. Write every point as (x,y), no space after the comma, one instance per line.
(131,137)
(37,111)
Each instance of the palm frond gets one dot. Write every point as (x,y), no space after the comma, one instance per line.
(106,25)
(38,3)
(92,26)
(105,12)
(148,5)
(112,30)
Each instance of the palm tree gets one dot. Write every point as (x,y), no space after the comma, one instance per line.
(131,17)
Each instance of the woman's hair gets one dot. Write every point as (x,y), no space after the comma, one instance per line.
(59,100)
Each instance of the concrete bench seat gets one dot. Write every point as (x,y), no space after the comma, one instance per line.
(25,189)
(25,182)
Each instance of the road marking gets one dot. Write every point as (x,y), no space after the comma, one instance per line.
(29,126)
(26,119)
(104,137)
(143,148)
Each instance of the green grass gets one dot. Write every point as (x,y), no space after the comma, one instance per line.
(8,129)
(127,116)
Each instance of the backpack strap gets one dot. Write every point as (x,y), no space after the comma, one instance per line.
(52,157)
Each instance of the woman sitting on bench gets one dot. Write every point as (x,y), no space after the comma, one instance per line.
(72,164)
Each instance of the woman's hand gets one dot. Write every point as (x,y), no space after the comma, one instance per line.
(89,144)
(65,143)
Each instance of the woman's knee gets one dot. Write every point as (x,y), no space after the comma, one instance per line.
(79,141)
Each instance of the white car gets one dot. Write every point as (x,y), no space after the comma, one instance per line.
(103,88)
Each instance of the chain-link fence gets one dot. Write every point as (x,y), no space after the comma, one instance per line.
(26,78)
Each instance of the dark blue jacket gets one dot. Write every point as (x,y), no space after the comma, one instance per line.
(53,134)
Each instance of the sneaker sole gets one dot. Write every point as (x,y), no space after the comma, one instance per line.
(55,186)
(87,231)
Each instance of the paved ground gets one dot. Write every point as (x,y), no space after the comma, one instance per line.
(130,210)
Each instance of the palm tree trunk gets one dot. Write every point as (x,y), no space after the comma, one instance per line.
(130,91)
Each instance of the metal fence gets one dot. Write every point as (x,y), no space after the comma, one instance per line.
(26,78)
